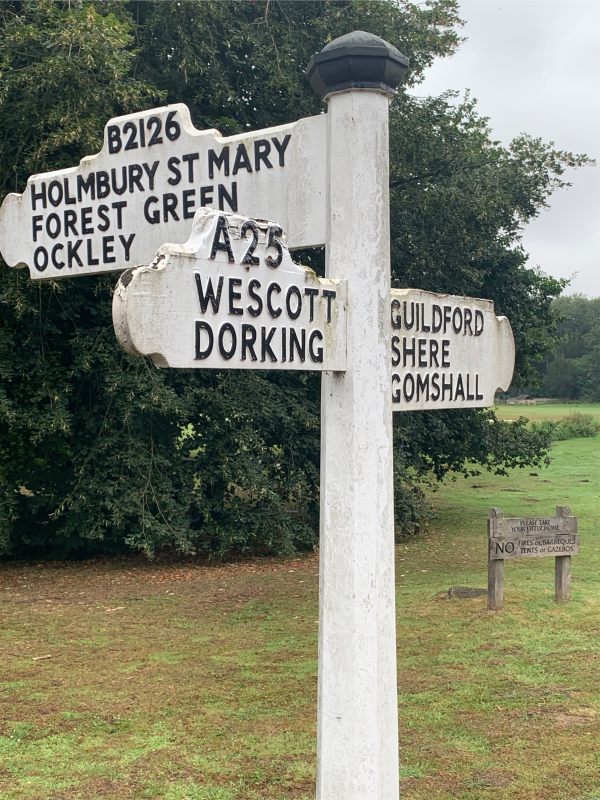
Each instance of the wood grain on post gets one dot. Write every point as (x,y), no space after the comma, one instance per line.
(495,565)
(562,567)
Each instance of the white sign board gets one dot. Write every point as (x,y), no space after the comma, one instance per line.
(447,351)
(142,189)
(231,297)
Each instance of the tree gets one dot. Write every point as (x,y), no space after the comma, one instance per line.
(99,452)
(572,369)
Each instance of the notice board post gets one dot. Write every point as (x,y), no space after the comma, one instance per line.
(357,716)
(531,537)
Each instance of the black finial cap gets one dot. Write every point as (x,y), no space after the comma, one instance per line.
(357,60)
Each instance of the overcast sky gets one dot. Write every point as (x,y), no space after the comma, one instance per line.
(534,67)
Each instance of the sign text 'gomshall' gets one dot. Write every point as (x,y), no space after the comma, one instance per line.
(231,297)
(143,188)
(447,351)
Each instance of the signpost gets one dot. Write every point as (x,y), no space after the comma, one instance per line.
(143,188)
(229,296)
(531,537)
(447,351)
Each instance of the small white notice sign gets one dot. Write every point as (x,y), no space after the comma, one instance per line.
(143,188)
(447,351)
(231,297)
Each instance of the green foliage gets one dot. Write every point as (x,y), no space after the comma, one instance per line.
(100,452)
(574,426)
(572,371)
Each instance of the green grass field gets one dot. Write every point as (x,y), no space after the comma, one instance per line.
(543,411)
(126,679)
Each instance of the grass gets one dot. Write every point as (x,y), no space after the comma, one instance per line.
(552,411)
(124,679)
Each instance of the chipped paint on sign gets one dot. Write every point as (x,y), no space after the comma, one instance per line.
(231,297)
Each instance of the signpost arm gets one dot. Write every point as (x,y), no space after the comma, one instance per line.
(357,756)
(562,567)
(495,565)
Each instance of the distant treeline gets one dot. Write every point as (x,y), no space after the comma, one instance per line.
(572,370)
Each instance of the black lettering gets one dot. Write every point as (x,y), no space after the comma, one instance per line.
(38,195)
(90,253)
(242,160)
(446,353)
(408,378)
(227,353)
(234,296)
(273,287)
(73,253)
(468,316)
(225,197)
(102,185)
(316,353)
(293,313)
(118,206)
(189,159)
(173,167)
(40,258)
(206,196)
(126,242)
(150,170)
(256,310)
(395,351)
(281,148)
(70,220)
(55,193)
(36,224)
(209,296)
(113,175)
(58,264)
(135,177)
(53,225)
(329,295)
(222,230)
(189,203)
(108,248)
(265,344)
(248,341)
(151,216)
(86,186)
(170,207)
(200,352)
(422,386)
(396,319)
(87,227)
(396,393)
(478,322)
(113,137)
(218,161)
(311,294)
(249,259)
(262,148)
(298,344)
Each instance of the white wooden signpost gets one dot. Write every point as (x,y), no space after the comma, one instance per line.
(225,294)
(143,188)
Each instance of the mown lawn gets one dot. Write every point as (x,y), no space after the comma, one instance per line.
(125,679)
(543,411)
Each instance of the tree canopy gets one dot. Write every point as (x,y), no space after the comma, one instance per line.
(101,452)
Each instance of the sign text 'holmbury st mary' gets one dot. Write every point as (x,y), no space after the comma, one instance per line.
(143,188)
(447,351)
(231,297)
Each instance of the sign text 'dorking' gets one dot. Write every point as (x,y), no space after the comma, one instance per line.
(231,297)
